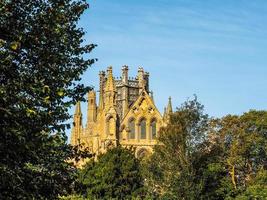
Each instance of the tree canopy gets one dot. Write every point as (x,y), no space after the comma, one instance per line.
(116,175)
(205,158)
(41,61)
(42,57)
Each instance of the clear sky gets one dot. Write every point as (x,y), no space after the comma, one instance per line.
(212,48)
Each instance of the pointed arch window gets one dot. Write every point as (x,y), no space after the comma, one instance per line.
(153,128)
(143,129)
(132,129)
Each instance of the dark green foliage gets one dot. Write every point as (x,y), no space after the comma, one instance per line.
(202,158)
(116,175)
(40,63)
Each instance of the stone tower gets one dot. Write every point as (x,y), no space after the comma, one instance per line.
(126,114)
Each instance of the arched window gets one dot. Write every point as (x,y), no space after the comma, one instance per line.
(143,129)
(153,128)
(132,129)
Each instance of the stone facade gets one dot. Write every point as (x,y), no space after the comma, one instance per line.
(126,114)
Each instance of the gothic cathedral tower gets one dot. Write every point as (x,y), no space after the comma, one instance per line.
(126,114)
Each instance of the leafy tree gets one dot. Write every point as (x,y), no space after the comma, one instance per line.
(173,175)
(245,147)
(237,151)
(116,175)
(41,62)
(202,158)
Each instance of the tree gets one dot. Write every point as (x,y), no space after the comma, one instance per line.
(41,61)
(173,175)
(116,175)
(202,158)
(244,142)
(237,154)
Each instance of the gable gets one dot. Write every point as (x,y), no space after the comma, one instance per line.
(143,107)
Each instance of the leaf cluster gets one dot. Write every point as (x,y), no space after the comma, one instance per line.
(115,175)
(41,61)
(198,157)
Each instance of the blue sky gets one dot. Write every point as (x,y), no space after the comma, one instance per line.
(214,49)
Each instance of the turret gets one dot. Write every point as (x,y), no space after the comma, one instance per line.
(125,74)
(77,125)
(101,89)
(167,111)
(125,102)
(169,107)
(141,79)
(109,90)
(91,109)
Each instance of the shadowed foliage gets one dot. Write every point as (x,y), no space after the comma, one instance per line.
(116,175)
(41,62)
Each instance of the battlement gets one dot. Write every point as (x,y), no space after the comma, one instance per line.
(140,80)
(126,89)
(125,114)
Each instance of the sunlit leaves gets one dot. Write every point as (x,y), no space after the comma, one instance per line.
(61,92)
(202,158)
(30,112)
(14,45)
(41,60)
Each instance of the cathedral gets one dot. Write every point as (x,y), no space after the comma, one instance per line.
(126,114)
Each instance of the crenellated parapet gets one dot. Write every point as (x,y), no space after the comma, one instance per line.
(125,114)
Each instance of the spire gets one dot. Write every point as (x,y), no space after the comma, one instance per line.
(78,108)
(77,125)
(109,90)
(169,107)
(110,81)
(91,109)
(168,111)
(101,89)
